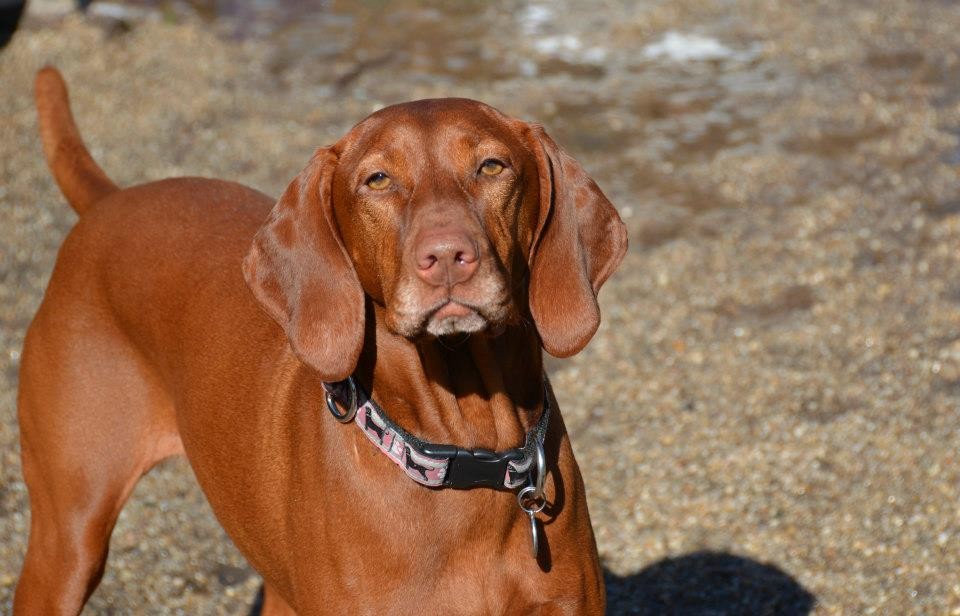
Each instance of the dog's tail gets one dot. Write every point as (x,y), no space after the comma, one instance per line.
(81,180)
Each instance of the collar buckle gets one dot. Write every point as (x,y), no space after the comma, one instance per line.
(472,468)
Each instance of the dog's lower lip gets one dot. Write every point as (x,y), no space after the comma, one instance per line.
(452,309)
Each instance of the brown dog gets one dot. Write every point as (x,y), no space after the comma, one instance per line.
(432,253)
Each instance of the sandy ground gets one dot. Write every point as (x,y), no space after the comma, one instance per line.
(769,418)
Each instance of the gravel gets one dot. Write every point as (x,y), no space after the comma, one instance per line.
(767,421)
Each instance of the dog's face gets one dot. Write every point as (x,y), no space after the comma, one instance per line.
(450,215)
(435,208)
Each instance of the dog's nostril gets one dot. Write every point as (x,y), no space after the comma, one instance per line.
(427,262)
(465,258)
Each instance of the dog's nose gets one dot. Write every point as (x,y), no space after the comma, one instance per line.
(446,258)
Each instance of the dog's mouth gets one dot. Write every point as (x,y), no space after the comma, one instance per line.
(417,311)
(454,317)
(449,316)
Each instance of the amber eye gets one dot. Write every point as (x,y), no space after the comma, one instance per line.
(491,166)
(379,181)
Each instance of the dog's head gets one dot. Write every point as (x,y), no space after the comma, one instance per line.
(450,215)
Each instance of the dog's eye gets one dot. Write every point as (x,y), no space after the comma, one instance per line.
(379,181)
(491,166)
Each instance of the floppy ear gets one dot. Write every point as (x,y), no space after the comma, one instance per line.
(579,242)
(300,273)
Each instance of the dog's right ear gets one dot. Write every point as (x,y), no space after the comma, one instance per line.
(301,274)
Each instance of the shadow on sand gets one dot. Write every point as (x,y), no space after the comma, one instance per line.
(707,584)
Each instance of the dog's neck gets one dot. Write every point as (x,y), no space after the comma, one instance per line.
(479,391)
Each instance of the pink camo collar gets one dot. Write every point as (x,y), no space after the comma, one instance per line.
(435,465)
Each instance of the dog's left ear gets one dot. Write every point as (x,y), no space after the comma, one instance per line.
(579,242)
(301,274)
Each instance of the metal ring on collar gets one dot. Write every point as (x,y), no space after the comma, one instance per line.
(351,410)
(532,499)
(540,459)
(529,501)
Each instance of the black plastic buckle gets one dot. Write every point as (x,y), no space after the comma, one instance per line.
(472,468)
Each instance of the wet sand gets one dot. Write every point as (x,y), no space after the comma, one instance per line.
(769,418)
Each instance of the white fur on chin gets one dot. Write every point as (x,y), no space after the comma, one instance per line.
(468,324)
